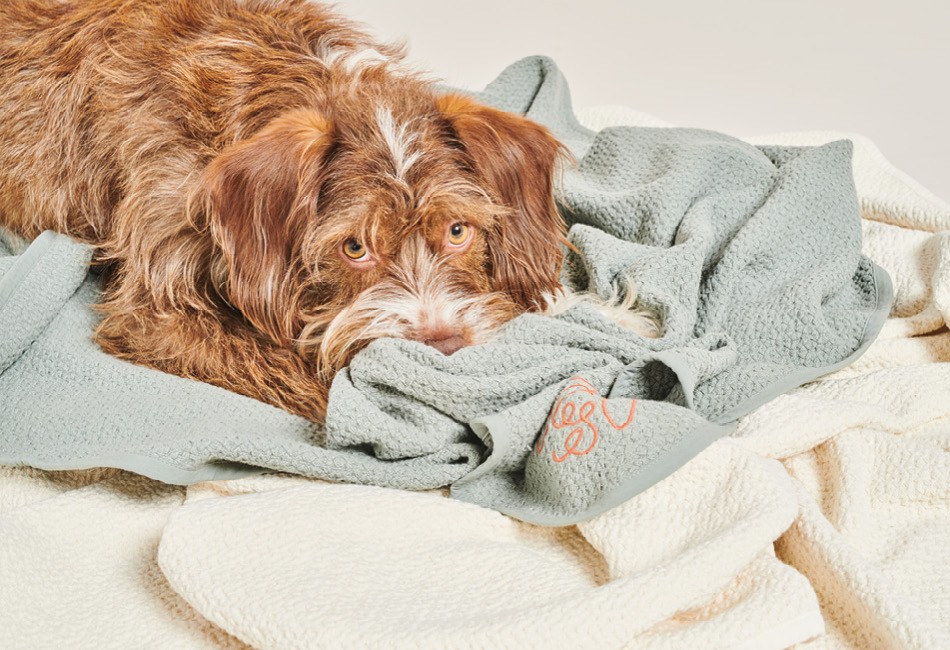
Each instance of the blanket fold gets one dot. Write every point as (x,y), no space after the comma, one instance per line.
(749,254)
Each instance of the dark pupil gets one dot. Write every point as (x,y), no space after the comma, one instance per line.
(354,246)
(456,230)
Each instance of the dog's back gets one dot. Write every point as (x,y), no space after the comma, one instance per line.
(109,101)
(47,86)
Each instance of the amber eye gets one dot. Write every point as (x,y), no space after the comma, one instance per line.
(459,234)
(355,250)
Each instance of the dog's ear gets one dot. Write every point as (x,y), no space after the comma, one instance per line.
(516,159)
(254,198)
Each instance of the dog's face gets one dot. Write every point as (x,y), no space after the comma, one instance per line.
(432,220)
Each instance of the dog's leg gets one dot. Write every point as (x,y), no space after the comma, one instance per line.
(200,346)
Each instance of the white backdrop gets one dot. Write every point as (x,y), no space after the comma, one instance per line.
(740,66)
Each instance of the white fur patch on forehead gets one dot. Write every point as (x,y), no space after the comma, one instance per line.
(353,59)
(398,140)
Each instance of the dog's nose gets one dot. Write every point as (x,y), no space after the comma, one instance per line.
(445,341)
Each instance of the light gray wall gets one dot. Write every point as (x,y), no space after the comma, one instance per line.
(744,67)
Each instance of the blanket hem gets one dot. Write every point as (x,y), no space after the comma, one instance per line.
(884,289)
(688,448)
(149,467)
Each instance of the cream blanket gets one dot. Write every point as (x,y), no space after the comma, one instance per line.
(824,521)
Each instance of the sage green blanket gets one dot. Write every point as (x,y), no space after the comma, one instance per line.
(751,256)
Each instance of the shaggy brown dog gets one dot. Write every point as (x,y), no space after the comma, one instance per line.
(267,188)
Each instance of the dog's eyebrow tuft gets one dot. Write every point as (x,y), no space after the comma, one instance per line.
(398,139)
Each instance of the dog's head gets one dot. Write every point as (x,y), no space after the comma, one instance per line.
(428,219)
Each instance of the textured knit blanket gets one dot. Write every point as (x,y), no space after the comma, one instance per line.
(749,254)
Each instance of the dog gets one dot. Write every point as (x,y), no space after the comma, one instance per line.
(268,189)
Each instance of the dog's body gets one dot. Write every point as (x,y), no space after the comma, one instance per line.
(267,188)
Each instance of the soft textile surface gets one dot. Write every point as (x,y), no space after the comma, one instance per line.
(751,256)
(849,476)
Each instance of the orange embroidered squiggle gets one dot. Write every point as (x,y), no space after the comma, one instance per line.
(578,415)
(618,427)
(578,385)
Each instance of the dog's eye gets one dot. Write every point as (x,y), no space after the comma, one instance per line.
(458,235)
(355,250)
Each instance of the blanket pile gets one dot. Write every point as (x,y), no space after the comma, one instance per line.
(750,255)
(822,523)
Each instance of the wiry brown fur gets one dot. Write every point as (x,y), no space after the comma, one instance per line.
(218,153)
